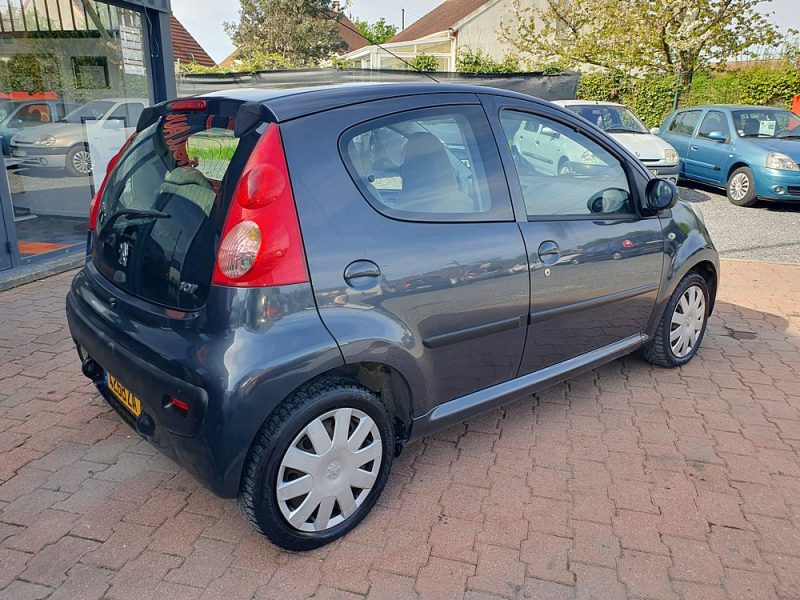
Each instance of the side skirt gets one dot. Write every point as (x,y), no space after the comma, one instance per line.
(482,401)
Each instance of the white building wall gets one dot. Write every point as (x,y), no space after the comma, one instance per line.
(484,30)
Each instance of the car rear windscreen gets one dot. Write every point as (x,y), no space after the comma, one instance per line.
(162,208)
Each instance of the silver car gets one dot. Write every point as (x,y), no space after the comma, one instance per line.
(63,144)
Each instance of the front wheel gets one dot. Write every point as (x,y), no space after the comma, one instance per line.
(318,465)
(741,187)
(682,325)
(78,162)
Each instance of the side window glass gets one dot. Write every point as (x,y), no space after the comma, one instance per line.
(713,121)
(564,173)
(685,122)
(437,164)
(128,113)
(32,115)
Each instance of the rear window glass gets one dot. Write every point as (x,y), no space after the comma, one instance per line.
(156,227)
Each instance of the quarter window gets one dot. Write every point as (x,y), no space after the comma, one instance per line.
(562,172)
(436,164)
(685,122)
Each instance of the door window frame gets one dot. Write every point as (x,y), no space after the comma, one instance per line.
(566,121)
(699,126)
(496,183)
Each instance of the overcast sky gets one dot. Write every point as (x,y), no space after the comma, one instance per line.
(204,18)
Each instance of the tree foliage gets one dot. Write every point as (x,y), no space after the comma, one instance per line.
(640,36)
(378,32)
(424,63)
(301,32)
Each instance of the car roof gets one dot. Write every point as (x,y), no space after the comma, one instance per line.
(586,103)
(729,107)
(290,103)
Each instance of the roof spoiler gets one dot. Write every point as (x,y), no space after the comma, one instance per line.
(248,116)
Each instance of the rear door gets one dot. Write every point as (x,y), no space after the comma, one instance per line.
(415,258)
(595,264)
(679,133)
(708,159)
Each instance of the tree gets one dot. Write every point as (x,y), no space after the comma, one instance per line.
(378,32)
(424,63)
(636,37)
(301,32)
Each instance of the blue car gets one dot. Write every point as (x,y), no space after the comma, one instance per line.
(751,151)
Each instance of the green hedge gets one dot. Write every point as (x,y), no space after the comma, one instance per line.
(651,98)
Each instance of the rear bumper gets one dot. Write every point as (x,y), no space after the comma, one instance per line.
(232,374)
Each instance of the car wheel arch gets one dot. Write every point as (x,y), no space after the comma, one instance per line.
(736,165)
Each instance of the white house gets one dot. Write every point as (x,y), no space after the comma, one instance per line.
(451,26)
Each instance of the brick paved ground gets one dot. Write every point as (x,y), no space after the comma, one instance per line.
(629,482)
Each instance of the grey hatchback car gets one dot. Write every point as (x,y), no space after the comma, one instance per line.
(283,288)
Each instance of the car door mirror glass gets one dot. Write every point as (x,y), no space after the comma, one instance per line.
(717,136)
(550,132)
(609,201)
(661,194)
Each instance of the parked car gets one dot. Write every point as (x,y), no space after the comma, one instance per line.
(620,123)
(274,308)
(16,115)
(751,151)
(63,145)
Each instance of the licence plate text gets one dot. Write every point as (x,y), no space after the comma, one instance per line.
(124,395)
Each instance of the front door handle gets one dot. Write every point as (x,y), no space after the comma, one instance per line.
(693,147)
(362,274)
(549,252)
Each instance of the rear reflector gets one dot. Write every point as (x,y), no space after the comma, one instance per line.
(187,105)
(261,244)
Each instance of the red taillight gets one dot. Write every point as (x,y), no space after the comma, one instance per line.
(94,207)
(261,243)
(187,105)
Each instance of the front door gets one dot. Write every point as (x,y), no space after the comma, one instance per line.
(595,264)
(708,157)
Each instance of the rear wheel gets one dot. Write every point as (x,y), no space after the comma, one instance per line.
(682,325)
(742,187)
(318,465)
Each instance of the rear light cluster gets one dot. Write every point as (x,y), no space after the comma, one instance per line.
(94,207)
(261,243)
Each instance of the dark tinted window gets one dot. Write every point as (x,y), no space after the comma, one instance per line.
(713,121)
(563,172)
(685,122)
(183,168)
(429,165)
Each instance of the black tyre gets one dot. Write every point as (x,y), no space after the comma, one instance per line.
(683,324)
(78,162)
(318,465)
(741,187)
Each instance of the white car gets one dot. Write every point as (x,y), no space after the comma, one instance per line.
(621,124)
(63,144)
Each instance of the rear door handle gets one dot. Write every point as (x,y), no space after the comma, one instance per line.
(362,274)
(549,252)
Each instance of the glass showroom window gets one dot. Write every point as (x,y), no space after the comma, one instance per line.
(73,82)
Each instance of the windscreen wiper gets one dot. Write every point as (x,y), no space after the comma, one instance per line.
(142,213)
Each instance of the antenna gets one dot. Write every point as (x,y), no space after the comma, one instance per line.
(401,59)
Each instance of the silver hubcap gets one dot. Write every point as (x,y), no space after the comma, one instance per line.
(687,321)
(740,185)
(82,161)
(329,469)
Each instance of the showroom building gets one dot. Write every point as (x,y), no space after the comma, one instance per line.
(74,77)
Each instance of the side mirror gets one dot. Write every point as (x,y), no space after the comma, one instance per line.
(655,130)
(718,136)
(661,194)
